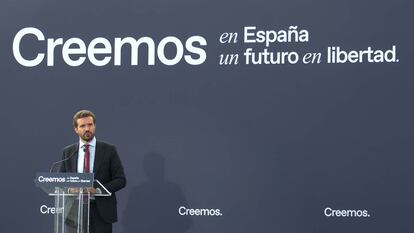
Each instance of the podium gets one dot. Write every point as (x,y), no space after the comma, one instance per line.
(72,201)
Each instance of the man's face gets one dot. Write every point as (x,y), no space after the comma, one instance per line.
(85,128)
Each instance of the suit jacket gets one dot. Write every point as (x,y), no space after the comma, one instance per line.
(107,169)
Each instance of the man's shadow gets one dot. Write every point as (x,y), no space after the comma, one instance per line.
(152,206)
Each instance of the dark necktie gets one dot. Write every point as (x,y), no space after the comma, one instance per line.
(86,167)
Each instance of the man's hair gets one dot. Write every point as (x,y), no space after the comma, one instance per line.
(83,114)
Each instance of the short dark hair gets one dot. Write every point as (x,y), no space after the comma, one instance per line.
(83,114)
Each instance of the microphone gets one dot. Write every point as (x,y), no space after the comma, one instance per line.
(61,161)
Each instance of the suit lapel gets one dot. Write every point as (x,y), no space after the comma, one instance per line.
(98,154)
(74,159)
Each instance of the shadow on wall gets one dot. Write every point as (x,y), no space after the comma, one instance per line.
(152,207)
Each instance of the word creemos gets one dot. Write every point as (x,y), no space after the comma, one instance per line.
(329,212)
(43,179)
(199,212)
(100,51)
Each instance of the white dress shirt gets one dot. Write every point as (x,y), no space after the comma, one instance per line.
(81,155)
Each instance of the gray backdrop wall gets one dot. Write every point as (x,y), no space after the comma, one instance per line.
(270,146)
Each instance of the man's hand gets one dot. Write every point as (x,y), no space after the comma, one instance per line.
(90,190)
(73,190)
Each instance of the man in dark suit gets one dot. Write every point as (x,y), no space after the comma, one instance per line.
(101,158)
